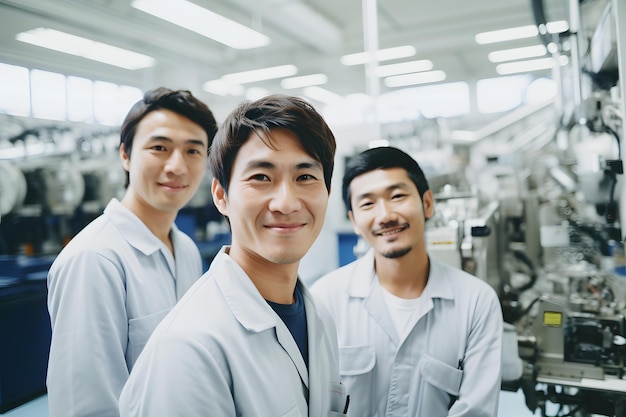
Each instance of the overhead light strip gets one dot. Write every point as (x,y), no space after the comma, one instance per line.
(520,32)
(517,53)
(85,48)
(231,84)
(321,94)
(379,55)
(304,81)
(403,68)
(223,88)
(204,22)
(261,74)
(529,65)
(414,79)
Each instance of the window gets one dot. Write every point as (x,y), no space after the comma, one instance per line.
(14,90)
(79,99)
(49,97)
(431,101)
(496,95)
(540,91)
(53,96)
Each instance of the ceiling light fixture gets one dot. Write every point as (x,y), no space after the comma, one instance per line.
(204,22)
(321,94)
(223,88)
(261,74)
(304,81)
(529,65)
(403,68)
(255,93)
(520,32)
(85,48)
(380,55)
(415,78)
(517,53)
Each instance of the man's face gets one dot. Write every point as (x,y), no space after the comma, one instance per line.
(167,163)
(388,213)
(276,200)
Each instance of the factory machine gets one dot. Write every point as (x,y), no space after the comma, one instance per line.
(538,214)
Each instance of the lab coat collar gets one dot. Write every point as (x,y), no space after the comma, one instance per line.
(256,315)
(439,284)
(242,297)
(132,228)
(364,276)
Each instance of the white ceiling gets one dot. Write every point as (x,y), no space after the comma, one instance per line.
(312,34)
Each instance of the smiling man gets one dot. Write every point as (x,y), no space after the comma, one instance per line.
(416,337)
(117,278)
(247,339)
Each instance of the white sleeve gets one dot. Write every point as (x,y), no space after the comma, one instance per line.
(87,364)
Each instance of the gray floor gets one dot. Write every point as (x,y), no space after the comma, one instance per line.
(511,405)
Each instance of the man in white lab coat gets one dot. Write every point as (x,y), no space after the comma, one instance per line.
(416,337)
(117,278)
(247,339)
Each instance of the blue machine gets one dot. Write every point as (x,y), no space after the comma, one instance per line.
(24,329)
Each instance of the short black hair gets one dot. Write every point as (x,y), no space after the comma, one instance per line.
(382,158)
(275,111)
(178,101)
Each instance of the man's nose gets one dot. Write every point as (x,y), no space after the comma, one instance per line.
(285,198)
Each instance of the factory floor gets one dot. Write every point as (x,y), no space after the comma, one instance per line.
(511,405)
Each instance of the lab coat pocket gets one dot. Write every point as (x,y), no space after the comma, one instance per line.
(435,383)
(356,367)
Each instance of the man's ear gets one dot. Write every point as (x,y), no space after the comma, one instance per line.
(124,158)
(220,199)
(351,216)
(428,202)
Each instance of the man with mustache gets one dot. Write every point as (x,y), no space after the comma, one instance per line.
(416,337)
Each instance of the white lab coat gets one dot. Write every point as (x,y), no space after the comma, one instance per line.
(459,318)
(107,291)
(223,351)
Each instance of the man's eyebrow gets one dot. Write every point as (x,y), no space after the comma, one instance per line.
(399,185)
(259,164)
(269,165)
(158,138)
(309,165)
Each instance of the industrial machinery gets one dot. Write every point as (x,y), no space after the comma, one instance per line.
(537,212)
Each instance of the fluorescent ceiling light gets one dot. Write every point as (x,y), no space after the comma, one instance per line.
(404,68)
(261,74)
(204,22)
(380,55)
(530,65)
(321,94)
(520,32)
(415,78)
(517,53)
(223,88)
(304,81)
(558,26)
(510,34)
(255,93)
(85,48)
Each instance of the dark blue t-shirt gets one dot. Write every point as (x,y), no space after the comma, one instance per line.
(294,317)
